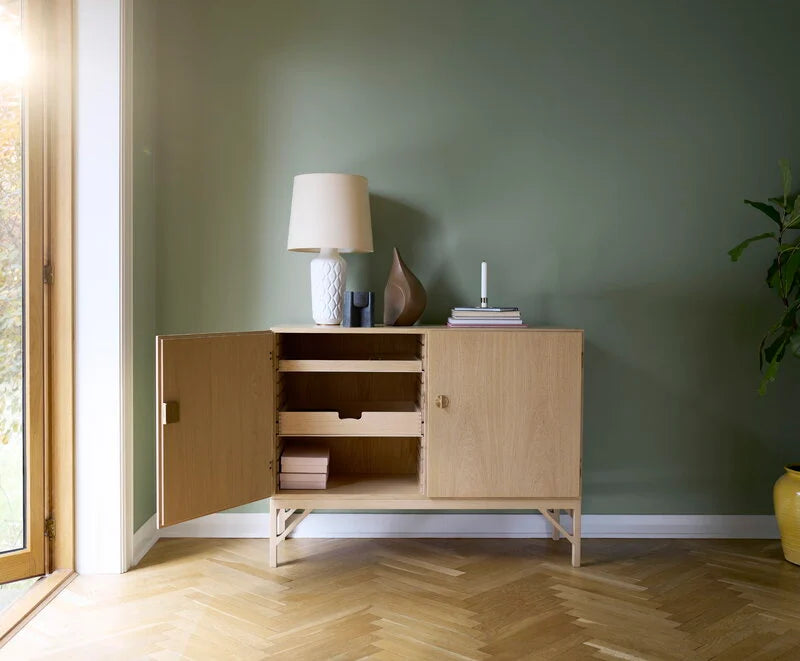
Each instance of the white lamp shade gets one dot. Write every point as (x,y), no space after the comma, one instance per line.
(330,211)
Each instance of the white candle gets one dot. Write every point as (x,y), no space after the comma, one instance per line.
(484,295)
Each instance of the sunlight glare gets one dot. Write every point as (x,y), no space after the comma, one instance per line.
(13,59)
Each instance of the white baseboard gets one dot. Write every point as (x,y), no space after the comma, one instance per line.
(674,526)
(143,539)
(421,524)
(234,525)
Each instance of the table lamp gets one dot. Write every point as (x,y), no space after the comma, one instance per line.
(330,214)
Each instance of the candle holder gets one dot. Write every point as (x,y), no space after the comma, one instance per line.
(484,286)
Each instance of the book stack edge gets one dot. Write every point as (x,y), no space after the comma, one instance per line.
(485,318)
(304,467)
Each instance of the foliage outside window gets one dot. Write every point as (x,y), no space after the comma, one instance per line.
(11,279)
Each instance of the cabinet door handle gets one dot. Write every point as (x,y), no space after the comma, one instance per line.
(442,401)
(170,412)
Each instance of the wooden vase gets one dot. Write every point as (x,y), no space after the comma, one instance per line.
(404,298)
(787,510)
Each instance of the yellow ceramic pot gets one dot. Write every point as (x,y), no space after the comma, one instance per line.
(787,509)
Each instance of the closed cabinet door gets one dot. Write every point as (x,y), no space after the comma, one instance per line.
(504,413)
(216,423)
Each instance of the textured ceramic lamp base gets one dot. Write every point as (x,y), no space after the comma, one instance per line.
(328,273)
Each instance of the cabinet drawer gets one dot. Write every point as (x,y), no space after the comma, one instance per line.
(370,423)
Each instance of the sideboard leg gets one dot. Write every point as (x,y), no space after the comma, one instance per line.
(283,515)
(273,534)
(556,535)
(576,536)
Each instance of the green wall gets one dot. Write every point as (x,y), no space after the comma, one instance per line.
(594,153)
(143,207)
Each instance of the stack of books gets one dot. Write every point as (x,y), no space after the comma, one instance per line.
(485,317)
(304,467)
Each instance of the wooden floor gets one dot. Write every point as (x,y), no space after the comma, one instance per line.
(430,599)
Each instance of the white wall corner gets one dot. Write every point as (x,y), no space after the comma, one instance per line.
(101,482)
(143,540)
(126,278)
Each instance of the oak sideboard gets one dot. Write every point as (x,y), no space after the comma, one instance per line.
(415,418)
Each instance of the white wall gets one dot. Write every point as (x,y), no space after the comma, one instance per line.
(99,476)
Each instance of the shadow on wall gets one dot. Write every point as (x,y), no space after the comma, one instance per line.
(419,238)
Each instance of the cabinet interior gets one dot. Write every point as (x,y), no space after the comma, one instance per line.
(349,393)
(346,376)
(356,455)
(343,346)
(363,464)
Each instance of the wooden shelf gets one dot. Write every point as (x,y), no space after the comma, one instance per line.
(376,419)
(350,366)
(363,486)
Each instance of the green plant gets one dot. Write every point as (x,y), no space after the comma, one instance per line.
(783,276)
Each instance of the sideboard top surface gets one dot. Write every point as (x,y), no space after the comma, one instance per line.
(311,328)
(408,330)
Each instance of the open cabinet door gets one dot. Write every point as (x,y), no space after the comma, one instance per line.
(216,422)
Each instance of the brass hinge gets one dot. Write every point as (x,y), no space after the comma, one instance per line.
(270,465)
(50,528)
(47,274)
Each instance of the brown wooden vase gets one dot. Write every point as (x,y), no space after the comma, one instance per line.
(404,298)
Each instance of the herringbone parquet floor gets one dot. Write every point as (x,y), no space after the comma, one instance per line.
(430,599)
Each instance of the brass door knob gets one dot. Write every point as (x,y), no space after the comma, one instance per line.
(442,401)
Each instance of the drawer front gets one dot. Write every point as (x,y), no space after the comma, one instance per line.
(328,423)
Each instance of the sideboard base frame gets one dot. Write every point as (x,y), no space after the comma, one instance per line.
(287,511)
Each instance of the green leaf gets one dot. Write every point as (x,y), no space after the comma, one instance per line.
(737,251)
(794,344)
(789,318)
(769,376)
(786,175)
(764,339)
(784,323)
(767,209)
(789,270)
(776,350)
(793,219)
(772,275)
(773,356)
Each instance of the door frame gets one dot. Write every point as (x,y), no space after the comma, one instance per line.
(48,275)
(53,43)
(59,433)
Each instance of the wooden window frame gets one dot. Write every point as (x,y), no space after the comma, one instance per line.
(52,51)
(59,412)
